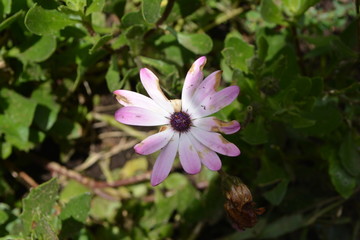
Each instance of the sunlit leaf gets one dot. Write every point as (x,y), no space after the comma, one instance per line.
(46,22)
(113,75)
(41,50)
(151,10)
(237,52)
(95,6)
(198,43)
(40,202)
(7,22)
(270,11)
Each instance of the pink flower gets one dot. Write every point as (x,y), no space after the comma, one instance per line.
(185,126)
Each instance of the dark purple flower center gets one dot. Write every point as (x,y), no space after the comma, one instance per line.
(180,121)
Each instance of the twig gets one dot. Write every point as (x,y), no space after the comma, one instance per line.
(21,176)
(91,183)
(166,12)
(162,19)
(94,157)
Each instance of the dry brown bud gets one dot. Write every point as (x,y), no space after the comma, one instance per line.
(239,205)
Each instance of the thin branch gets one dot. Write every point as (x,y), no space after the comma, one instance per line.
(166,13)
(91,183)
(21,176)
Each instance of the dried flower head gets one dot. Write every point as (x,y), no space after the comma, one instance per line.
(239,205)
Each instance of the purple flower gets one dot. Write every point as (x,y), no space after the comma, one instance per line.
(185,126)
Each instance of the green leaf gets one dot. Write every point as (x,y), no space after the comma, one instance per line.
(46,22)
(72,189)
(162,232)
(4,213)
(100,42)
(17,113)
(263,48)
(165,68)
(317,86)
(77,208)
(131,19)
(134,36)
(40,200)
(151,10)
(103,209)
(47,109)
(277,194)
(255,133)
(76,5)
(349,156)
(32,71)
(5,8)
(299,7)
(113,75)
(327,118)
(176,181)
(282,226)
(95,6)
(41,50)
(198,43)
(7,22)
(270,12)
(5,149)
(275,40)
(298,121)
(270,173)
(66,128)
(342,181)
(237,52)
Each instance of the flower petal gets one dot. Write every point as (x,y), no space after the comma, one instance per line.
(152,86)
(165,161)
(188,155)
(212,124)
(192,81)
(139,117)
(129,98)
(207,87)
(215,142)
(213,103)
(208,157)
(154,142)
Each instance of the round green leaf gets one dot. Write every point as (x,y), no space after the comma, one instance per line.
(342,181)
(95,6)
(270,12)
(198,43)
(151,10)
(237,52)
(349,156)
(41,50)
(46,22)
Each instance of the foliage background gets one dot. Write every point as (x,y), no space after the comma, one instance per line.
(296,62)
